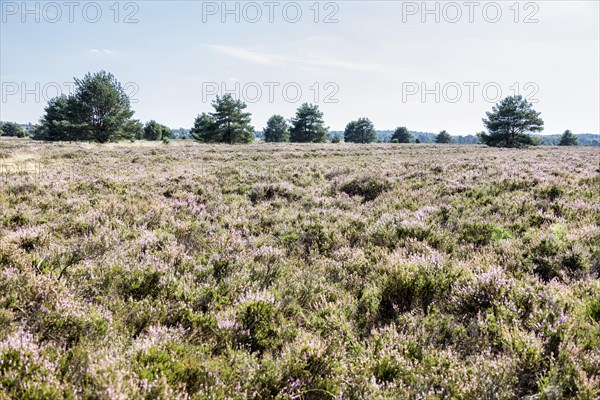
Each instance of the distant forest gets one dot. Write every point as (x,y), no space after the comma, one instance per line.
(585,139)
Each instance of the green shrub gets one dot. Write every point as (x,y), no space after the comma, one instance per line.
(314,236)
(313,373)
(269,192)
(369,187)
(367,310)
(387,370)
(70,329)
(406,288)
(17,220)
(477,233)
(26,371)
(593,305)
(552,256)
(481,291)
(551,192)
(260,323)
(499,234)
(140,283)
(180,364)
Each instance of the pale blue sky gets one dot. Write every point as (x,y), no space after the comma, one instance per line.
(374,61)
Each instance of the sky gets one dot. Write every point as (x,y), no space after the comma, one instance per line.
(428,66)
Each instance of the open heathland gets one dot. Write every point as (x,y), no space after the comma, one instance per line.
(291,271)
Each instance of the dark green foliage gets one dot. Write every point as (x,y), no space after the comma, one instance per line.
(387,370)
(551,192)
(401,135)
(308,125)
(269,192)
(360,131)
(69,330)
(140,284)
(509,123)
(336,138)
(259,325)
(12,129)
(227,124)
(179,364)
(315,373)
(61,121)
(135,129)
(477,233)
(398,296)
(99,110)
(568,139)
(277,129)
(232,123)
(155,131)
(315,237)
(552,257)
(369,187)
(205,129)
(443,137)
(593,307)
(405,288)
(103,106)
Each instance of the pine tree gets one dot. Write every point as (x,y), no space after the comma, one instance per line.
(308,125)
(205,129)
(155,131)
(401,135)
(277,129)
(443,137)
(568,139)
(509,123)
(360,131)
(98,110)
(229,123)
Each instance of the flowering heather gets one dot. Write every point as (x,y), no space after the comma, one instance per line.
(323,271)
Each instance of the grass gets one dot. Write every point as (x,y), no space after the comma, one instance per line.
(298,271)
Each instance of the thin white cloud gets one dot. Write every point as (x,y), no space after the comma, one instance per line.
(330,62)
(100,51)
(262,58)
(248,55)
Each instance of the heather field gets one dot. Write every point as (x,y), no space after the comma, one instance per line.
(382,271)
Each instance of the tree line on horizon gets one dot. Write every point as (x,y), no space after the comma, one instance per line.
(99,110)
